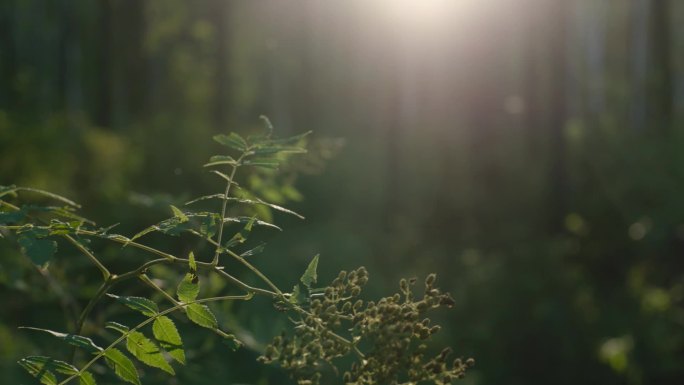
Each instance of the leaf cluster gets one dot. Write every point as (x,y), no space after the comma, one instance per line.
(329,323)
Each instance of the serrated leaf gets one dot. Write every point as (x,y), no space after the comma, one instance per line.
(262,162)
(123,329)
(174,226)
(122,365)
(201,315)
(257,201)
(232,140)
(64,228)
(169,339)
(297,297)
(253,251)
(49,195)
(191,262)
(143,305)
(310,276)
(179,214)
(40,251)
(51,364)
(205,197)
(41,373)
(147,351)
(217,160)
(86,378)
(72,339)
(241,236)
(189,287)
(247,219)
(272,150)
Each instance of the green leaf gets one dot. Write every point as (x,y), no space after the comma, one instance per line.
(40,251)
(189,287)
(309,277)
(174,226)
(201,315)
(247,219)
(241,236)
(191,262)
(5,190)
(64,228)
(258,201)
(165,332)
(147,351)
(253,251)
(297,297)
(49,195)
(86,378)
(232,140)
(179,214)
(10,217)
(205,197)
(72,339)
(271,150)
(48,363)
(217,160)
(122,365)
(262,162)
(143,305)
(41,373)
(123,329)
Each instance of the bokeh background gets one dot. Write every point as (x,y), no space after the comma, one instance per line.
(529,151)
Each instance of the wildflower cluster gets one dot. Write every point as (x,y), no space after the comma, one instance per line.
(388,337)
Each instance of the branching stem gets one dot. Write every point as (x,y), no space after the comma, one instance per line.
(147,321)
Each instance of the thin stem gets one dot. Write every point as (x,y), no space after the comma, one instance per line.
(150,283)
(105,272)
(127,242)
(224,205)
(247,265)
(255,271)
(147,321)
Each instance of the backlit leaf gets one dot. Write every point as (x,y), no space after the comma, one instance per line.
(41,373)
(310,276)
(167,335)
(86,378)
(72,339)
(201,315)
(232,140)
(241,236)
(122,365)
(143,305)
(147,351)
(189,288)
(49,363)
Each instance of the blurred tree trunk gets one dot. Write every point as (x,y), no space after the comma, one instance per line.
(639,62)
(219,11)
(7,55)
(103,108)
(557,109)
(660,91)
(133,37)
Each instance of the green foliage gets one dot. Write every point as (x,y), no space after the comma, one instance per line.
(391,332)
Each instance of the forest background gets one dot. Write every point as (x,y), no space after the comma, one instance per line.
(530,151)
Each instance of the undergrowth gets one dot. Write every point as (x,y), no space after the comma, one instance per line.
(385,339)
